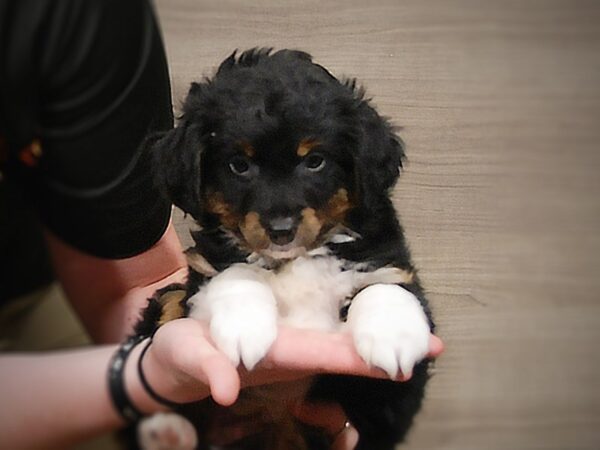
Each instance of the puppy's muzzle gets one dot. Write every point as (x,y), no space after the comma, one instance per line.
(282,230)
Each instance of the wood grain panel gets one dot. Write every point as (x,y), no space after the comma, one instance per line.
(500,108)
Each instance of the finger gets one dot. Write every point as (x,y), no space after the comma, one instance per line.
(436,346)
(347,439)
(311,352)
(201,360)
(223,379)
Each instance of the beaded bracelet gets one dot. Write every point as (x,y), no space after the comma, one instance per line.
(116,385)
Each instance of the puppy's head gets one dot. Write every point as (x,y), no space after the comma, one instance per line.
(276,151)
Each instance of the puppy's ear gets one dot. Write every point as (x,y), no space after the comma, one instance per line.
(379,158)
(176,157)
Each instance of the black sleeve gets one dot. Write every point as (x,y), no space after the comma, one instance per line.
(87,80)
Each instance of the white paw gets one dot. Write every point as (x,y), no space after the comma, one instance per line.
(389,327)
(242,312)
(244,329)
(166,431)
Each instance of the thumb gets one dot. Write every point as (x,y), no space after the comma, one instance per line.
(213,368)
(223,380)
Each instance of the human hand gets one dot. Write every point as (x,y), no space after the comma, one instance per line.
(310,352)
(183,364)
(330,417)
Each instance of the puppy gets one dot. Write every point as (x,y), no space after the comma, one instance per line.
(288,171)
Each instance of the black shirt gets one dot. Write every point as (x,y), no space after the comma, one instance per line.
(81,85)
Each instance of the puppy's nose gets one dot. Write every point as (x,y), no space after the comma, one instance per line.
(282,230)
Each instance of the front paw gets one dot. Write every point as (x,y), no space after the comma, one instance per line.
(243,320)
(389,328)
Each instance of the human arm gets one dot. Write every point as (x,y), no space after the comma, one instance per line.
(108,294)
(53,400)
(82,86)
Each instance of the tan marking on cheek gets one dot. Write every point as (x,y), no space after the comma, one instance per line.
(336,208)
(215,204)
(253,232)
(305,146)
(315,222)
(309,228)
(171,306)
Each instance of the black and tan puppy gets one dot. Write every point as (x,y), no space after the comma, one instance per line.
(288,171)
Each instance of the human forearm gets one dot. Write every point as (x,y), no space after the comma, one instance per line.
(52,400)
(109,294)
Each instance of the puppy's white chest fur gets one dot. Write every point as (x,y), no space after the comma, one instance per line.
(309,292)
(245,303)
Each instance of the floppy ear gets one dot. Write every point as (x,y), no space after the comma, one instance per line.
(176,157)
(379,158)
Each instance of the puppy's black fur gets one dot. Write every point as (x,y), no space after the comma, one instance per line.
(272,135)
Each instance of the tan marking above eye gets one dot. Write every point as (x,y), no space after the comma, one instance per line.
(248,149)
(305,146)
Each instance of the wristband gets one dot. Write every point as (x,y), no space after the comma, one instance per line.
(151,392)
(116,385)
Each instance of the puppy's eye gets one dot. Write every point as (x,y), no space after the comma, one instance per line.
(314,162)
(239,166)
